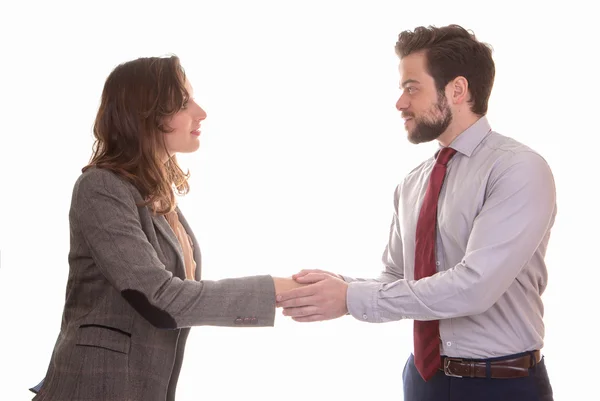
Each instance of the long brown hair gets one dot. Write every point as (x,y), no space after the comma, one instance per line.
(137,98)
(452,51)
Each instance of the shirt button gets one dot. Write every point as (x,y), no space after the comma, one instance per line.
(438,263)
(449,343)
(365,316)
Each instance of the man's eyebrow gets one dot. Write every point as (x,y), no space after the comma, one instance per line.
(409,81)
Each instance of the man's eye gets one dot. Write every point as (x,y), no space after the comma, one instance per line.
(410,90)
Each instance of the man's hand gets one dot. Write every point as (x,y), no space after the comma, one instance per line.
(304,272)
(323,299)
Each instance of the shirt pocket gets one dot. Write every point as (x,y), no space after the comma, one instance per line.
(102,336)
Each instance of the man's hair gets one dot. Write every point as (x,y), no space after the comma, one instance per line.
(452,51)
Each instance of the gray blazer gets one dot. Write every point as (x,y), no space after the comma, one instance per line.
(128,307)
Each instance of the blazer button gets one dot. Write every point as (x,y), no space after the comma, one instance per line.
(247,320)
(239,320)
(254,320)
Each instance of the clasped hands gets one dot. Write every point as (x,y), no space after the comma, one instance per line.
(319,295)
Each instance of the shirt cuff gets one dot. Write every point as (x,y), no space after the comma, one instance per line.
(361,300)
(347,279)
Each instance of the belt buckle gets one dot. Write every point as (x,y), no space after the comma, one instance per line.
(447,361)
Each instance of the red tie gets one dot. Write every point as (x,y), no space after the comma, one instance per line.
(427,333)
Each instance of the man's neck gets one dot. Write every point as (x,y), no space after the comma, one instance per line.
(457,127)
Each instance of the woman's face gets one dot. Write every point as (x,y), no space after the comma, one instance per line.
(185,126)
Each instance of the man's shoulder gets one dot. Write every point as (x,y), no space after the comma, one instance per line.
(498,145)
(503,156)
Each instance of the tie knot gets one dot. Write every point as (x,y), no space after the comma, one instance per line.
(445,155)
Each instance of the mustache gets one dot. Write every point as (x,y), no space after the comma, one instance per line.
(407,115)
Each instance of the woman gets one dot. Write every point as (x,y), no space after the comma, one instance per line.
(134,285)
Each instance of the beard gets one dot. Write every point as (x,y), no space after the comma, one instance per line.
(432,124)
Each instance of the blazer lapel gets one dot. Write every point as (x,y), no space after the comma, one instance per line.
(160,222)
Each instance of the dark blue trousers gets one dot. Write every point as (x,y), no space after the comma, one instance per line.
(535,387)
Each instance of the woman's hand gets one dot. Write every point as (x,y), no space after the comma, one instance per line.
(285,284)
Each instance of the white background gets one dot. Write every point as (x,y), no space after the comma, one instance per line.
(300,155)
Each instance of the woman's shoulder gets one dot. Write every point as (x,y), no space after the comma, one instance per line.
(98,176)
(95,180)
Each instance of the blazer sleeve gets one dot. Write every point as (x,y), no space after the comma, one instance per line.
(105,214)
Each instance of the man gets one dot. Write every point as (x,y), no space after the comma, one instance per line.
(465,257)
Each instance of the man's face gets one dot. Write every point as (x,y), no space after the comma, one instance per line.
(425,111)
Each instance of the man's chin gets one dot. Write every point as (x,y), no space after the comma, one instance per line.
(412,139)
(416,137)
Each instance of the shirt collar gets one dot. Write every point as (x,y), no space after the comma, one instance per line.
(470,138)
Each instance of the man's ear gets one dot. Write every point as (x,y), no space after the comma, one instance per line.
(458,90)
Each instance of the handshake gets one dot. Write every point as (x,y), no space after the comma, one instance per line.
(312,295)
